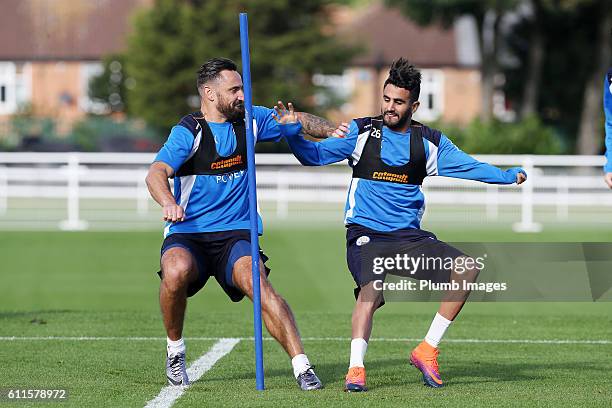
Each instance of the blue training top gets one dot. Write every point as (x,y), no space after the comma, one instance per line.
(607,103)
(385,206)
(214,202)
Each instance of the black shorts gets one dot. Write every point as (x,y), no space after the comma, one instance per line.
(362,244)
(215,254)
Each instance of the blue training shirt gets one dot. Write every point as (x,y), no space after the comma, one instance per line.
(214,202)
(385,206)
(607,103)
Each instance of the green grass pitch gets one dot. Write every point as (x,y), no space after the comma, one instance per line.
(102,285)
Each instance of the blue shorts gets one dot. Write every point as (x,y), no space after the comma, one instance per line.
(215,254)
(362,244)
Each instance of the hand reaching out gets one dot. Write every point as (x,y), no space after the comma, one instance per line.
(283,115)
(341,131)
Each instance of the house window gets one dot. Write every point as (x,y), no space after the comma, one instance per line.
(432,95)
(15,88)
(333,89)
(8,103)
(89,70)
(23,84)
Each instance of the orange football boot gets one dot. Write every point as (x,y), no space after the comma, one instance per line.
(425,358)
(355,380)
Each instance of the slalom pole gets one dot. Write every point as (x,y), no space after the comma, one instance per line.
(248,108)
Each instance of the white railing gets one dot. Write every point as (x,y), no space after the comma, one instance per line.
(560,182)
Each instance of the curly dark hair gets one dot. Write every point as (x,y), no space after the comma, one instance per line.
(212,69)
(405,75)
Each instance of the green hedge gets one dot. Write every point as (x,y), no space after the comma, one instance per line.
(528,136)
(88,133)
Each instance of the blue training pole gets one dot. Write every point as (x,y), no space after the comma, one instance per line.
(248,107)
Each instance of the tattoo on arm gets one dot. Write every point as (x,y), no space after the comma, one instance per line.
(315,126)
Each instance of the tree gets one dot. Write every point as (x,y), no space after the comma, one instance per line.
(535,61)
(589,139)
(173,38)
(110,87)
(576,47)
(487,14)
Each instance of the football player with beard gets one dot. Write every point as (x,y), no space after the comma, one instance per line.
(207,217)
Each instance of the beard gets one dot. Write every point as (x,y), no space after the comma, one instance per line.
(395,122)
(233,112)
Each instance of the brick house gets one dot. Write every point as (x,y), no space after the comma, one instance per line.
(449,60)
(50,49)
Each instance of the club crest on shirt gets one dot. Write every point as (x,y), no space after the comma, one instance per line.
(362,240)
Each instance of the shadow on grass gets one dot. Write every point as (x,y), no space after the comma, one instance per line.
(403,374)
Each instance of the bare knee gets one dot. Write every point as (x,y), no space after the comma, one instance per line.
(368,301)
(178,269)
(243,277)
(367,307)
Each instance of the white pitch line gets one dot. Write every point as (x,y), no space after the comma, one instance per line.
(169,394)
(382,339)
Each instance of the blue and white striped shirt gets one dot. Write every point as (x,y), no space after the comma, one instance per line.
(385,206)
(213,202)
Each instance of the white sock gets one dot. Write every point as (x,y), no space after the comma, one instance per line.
(437,329)
(358,351)
(175,346)
(300,364)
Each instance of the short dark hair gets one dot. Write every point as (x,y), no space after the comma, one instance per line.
(212,69)
(405,75)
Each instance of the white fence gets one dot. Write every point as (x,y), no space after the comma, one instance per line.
(50,190)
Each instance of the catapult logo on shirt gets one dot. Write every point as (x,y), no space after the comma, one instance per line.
(222,164)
